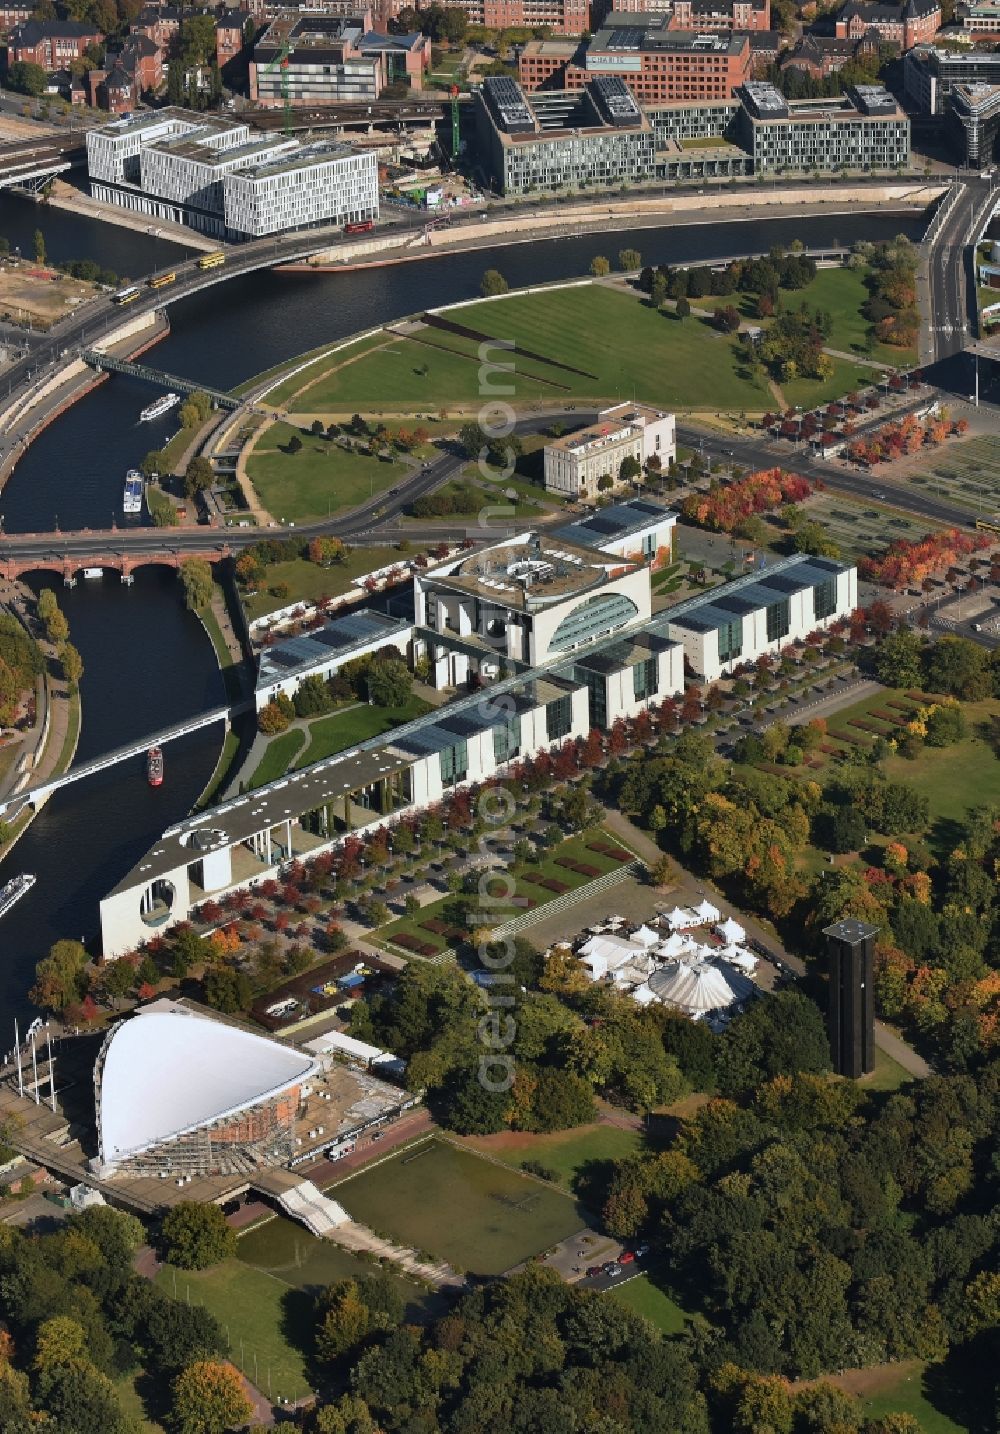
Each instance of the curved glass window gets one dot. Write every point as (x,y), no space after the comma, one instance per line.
(591,618)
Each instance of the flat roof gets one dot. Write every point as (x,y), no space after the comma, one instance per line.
(339,636)
(617,520)
(323,152)
(527,575)
(751,593)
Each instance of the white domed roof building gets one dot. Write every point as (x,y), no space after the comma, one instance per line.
(179,1093)
(700,986)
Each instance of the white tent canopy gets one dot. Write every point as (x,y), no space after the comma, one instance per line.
(678,919)
(731,931)
(644,936)
(707,912)
(699,986)
(606,953)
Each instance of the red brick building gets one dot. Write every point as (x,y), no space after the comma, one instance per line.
(702,15)
(903,25)
(51,43)
(658,64)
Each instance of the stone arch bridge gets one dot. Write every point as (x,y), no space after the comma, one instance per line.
(70,555)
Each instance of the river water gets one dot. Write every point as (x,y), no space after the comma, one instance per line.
(147,662)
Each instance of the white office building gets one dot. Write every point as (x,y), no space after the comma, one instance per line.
(761,614)
(215,175)
(576,463)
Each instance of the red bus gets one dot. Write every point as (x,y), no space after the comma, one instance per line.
(360,228)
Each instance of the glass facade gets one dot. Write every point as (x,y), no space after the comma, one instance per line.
(778,622)
(591,618)
(731,640)
(646,678)
(558,718)
(454,762)
(507,739)
(825,598)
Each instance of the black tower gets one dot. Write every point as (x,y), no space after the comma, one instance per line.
(851,1015)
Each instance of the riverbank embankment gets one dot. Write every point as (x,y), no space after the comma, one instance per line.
(460,235)
(74,201)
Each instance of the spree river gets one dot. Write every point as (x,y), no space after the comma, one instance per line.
(147,662)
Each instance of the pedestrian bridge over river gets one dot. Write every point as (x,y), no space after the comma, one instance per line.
(38,795)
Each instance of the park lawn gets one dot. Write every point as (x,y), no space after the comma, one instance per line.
(251,1307)
(326,358)
(282,1249)
(311,582)
(807,392)
(134,1406)
(278,757)
(341,730)
(887,1075)
(565,1152)
(321,479)
(454,1205)
(898,1389)
(618,343)
(841,293)
(648,1300)
(954,778)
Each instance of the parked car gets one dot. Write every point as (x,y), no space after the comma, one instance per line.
(593,1271)
(641,1251)
(627,1257)
(610,1267)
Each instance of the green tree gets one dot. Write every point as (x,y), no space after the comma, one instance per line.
(39,246)
(27,78)
(197,582)
(599,266)
(196,1236)
(60,979)
(958,667)
(344,1320)
(493,283)
(683,307)
(389,684)
(780,1034)
(629,260)
(72,665)
(198,476)
(227,990)
(208,1398)
(80,1398)
(898,659)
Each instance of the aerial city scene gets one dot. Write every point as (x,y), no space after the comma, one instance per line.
(500,717)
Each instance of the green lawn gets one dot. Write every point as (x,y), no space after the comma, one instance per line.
(320,479)
(807,392)
(647,1299)
(565,1152)
(341,730)
(620,345)
(841,292)
(458,1207)
(252,1309)
(230,747)
(888,1074)
(904,1394)
(134,1406)
(283,1250)
(310,582)
(279,756)
(954,778)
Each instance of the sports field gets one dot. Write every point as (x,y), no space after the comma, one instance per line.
(569,1154)
(481,1217)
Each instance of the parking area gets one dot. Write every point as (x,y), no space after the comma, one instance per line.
(967,474)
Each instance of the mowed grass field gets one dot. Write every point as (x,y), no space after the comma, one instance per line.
(647,1299)
(459,1207)
(328,735)
(310,582)
(250,1306)
(320,479)
(899,1389)
(620,345)
(569,1154)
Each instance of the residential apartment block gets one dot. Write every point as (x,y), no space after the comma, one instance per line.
(554,140)
(216,176)
(863,130)
(587,462)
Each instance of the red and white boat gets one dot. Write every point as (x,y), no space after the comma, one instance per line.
(154,767)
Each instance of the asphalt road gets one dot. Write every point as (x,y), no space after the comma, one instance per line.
(950,275)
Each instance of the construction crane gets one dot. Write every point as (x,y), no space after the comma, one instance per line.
(455,139)
(280,62)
